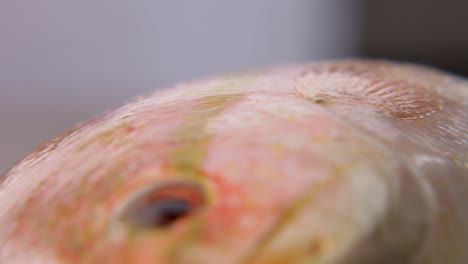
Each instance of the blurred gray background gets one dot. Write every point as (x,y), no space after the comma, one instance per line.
(62,62)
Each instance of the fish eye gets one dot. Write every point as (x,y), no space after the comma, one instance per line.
(162,205)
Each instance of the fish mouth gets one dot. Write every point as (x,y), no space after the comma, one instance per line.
(387,222)
(282,221)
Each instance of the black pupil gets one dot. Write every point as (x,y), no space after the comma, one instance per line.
(161,213)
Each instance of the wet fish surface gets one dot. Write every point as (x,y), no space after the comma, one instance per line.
(335,162)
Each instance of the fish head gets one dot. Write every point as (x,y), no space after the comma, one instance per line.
(259,167)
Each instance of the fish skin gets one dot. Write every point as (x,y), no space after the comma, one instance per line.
(349,161)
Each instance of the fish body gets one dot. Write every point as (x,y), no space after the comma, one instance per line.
(346,161)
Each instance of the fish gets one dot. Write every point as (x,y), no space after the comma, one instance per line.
(336,161)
